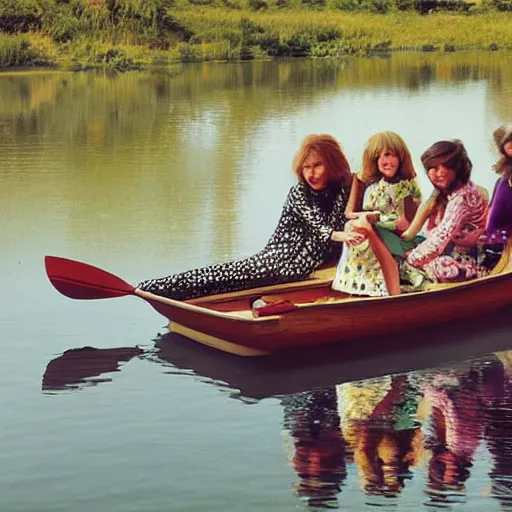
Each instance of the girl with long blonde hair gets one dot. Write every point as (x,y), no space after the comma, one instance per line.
(391,198)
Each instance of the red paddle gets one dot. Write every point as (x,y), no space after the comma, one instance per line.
(82,281)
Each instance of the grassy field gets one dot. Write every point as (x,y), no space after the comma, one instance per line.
(129,34)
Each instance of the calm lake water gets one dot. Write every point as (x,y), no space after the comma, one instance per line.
(145,174)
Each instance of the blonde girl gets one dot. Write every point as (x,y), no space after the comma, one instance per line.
(391,198)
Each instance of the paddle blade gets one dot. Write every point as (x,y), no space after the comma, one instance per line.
(79,280)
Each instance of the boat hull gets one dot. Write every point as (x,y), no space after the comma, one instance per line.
(344,321)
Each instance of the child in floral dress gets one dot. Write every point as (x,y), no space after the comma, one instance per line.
(391,199)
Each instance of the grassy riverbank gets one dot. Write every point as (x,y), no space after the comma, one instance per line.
(127,34)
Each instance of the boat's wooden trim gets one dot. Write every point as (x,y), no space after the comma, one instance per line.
(184,307)
(192,308)
(215,342)
(319,278)
(505,262)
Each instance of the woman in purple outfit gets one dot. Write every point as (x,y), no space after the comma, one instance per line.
(499,222)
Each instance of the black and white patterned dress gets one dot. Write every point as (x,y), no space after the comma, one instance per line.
(299,244)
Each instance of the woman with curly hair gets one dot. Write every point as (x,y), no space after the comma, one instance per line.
(308,233)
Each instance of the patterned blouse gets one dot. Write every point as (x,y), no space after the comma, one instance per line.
(308,220)
(388,198)
(465,214)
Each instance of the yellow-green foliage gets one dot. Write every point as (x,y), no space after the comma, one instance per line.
(133,33)
(402,30)
(26,50)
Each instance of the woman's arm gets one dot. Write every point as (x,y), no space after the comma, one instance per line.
(355,199)
(312,216)
(441,235)
(420,217)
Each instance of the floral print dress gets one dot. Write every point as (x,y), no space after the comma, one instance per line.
(449,251)
(359,271)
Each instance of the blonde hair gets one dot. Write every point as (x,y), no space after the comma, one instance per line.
(378,143)
(338,168)
(381,457)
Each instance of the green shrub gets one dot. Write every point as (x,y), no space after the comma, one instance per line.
(190,52)
(232,4)
(19,16)
(257,5)
(375,6)
(319,4)
(61,23)
(405,5)
(381,47)
(17,50)
(298,45)
(501,5)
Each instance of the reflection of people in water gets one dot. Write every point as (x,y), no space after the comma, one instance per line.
(378,423)
(318,454)
(497,418)
(76,367)
(455,430)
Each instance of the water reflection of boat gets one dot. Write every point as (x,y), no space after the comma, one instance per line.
(85,366)
(327,366)
(320,316)
(279,374)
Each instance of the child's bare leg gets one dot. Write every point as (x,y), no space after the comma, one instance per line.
(387,262)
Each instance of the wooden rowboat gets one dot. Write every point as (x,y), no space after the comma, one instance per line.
(322,316)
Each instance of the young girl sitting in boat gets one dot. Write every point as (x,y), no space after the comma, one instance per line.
(499,221)
(308,233)
(456,219)
(390,202)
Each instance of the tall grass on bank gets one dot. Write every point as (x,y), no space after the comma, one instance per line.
(128,34)
(26,50)
(336,33)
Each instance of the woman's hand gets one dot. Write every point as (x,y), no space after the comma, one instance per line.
(372,217)
(402,224)
(353,215)
(351,238)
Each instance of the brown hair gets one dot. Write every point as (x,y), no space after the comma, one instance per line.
(374,147)
(502,135)
(451,154)
(338,168)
